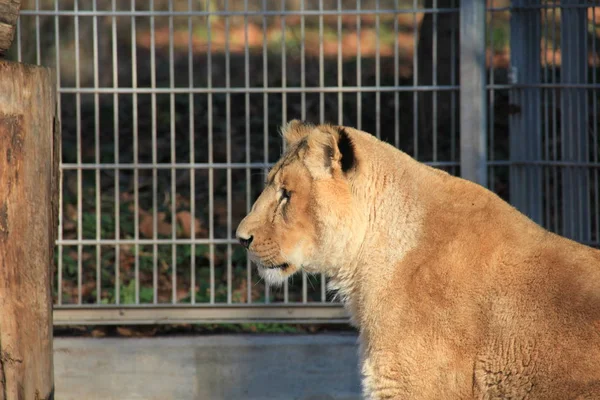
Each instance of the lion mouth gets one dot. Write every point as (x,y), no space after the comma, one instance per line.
(283,266)
(269,266)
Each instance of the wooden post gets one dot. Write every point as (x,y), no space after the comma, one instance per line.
(9,13)
(29,155)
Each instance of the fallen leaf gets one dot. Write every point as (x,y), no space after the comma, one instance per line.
(71,212)
(69,226)
(147,225)
(164,227)
(124,331)
(98,333)
(184,218)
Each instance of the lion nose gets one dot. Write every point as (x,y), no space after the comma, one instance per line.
(245,241)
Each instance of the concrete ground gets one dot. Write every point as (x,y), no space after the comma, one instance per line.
(249,367)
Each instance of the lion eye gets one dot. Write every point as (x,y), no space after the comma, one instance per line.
(285,194)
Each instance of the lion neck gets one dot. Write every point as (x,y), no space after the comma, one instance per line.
(386,194)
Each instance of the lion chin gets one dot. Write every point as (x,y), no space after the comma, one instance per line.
(276,275)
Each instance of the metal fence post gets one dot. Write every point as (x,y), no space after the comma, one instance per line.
(525,139)
(574,122)
(473,130)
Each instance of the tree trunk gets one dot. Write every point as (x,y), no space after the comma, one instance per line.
(29,156)
(9,13)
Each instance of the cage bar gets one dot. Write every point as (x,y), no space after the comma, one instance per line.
(525,125)
(473,151)
(574,122)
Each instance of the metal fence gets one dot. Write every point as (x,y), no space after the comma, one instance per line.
(170,113)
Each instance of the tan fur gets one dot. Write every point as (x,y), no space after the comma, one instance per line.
(456,294)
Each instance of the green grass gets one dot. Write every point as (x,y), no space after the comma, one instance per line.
(500,39)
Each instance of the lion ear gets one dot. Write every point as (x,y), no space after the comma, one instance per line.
(346,151)
(295,130)
(329,150)
(339,151)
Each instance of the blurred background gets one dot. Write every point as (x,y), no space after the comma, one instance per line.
(170,114)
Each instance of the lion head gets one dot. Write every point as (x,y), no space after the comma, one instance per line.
(303,218)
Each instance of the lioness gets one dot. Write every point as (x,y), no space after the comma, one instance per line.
(456,294)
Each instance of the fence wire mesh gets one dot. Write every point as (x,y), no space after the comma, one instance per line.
(170,113)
